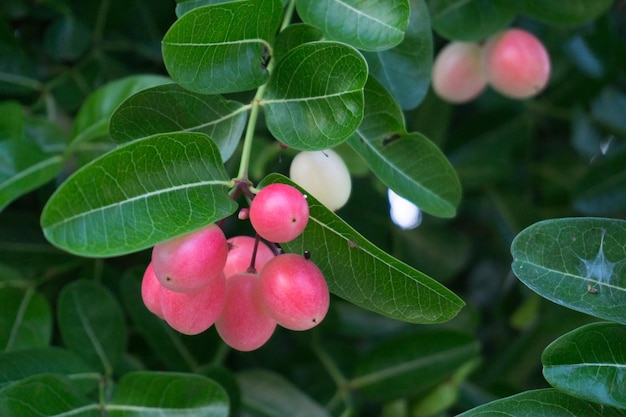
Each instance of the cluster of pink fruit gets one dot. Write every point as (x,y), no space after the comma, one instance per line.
(514,63)
(239,284)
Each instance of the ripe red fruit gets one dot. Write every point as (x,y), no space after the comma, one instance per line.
(294,291)
(458,75)
(244,324)
(516,63)
(150,289)
(279,213)
(193,312)
(240,250)
(187,263)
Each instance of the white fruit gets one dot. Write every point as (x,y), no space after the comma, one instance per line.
(324,175)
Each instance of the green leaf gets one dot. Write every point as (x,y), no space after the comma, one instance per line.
(579,263)
(92,120)
(295,35)
(12,120)
(372,25)
(138,195)
(67,38)
(405,69)
(565,12)
(264,393)
(23,168)
(45,396)
(541,403)
(326,109)
(183,6)
(601,190)
(23,364)
(92,324)
(365,275)
(164,341)
(221,48)
(589,363)
(155,394)
(25,321)
(412,363)
(409,164)
(470,20)
(170,108)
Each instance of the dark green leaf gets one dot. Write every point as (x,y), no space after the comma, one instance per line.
(15,366)
(541,403)
(579,263)
(565,12)
(326,109)
(368,25)
(365,275)
(67,38)
(221,48)
(45,395)
(23,168)
(601,191)
(170,108)
(25,321)
(155,394)
(608,109)
(92,324)
(295,35)
(470,20)
(12,120)
(138,195)
(269,395)
(409,164)
(589,363)
(405,69)
(18,74)
(92,120)
(413,363)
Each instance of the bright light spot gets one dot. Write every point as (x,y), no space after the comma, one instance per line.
(403,213)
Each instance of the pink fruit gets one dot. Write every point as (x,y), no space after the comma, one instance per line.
(458,75)
(240,250)
(279,213)
(244,324)
(187,263)
(150,288)
(516,64)
(194,312)
(294,291)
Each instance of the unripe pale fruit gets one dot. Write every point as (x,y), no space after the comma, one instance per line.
(193,312)
(150,288)
(279,213)
(294,291)
(324,175)
(458,75)
(244,324)
(187,263)
(516,64)
(240,250)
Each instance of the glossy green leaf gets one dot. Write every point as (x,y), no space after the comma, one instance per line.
(412,363)
(25,320)
(45,395)
(170,108)
(23,364)
(221,48)
(541,403)
(326,109)
(92,324)
(470,20)
(23,168)
(405,69)
(565,12)
(367,276)
(371,25)
(409,164)
(589,363)
(183,6)
(92,120)
(138,195)
(579,263)
(295,35)
(264,393)
(601,191)
(156,394)
(165,342)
